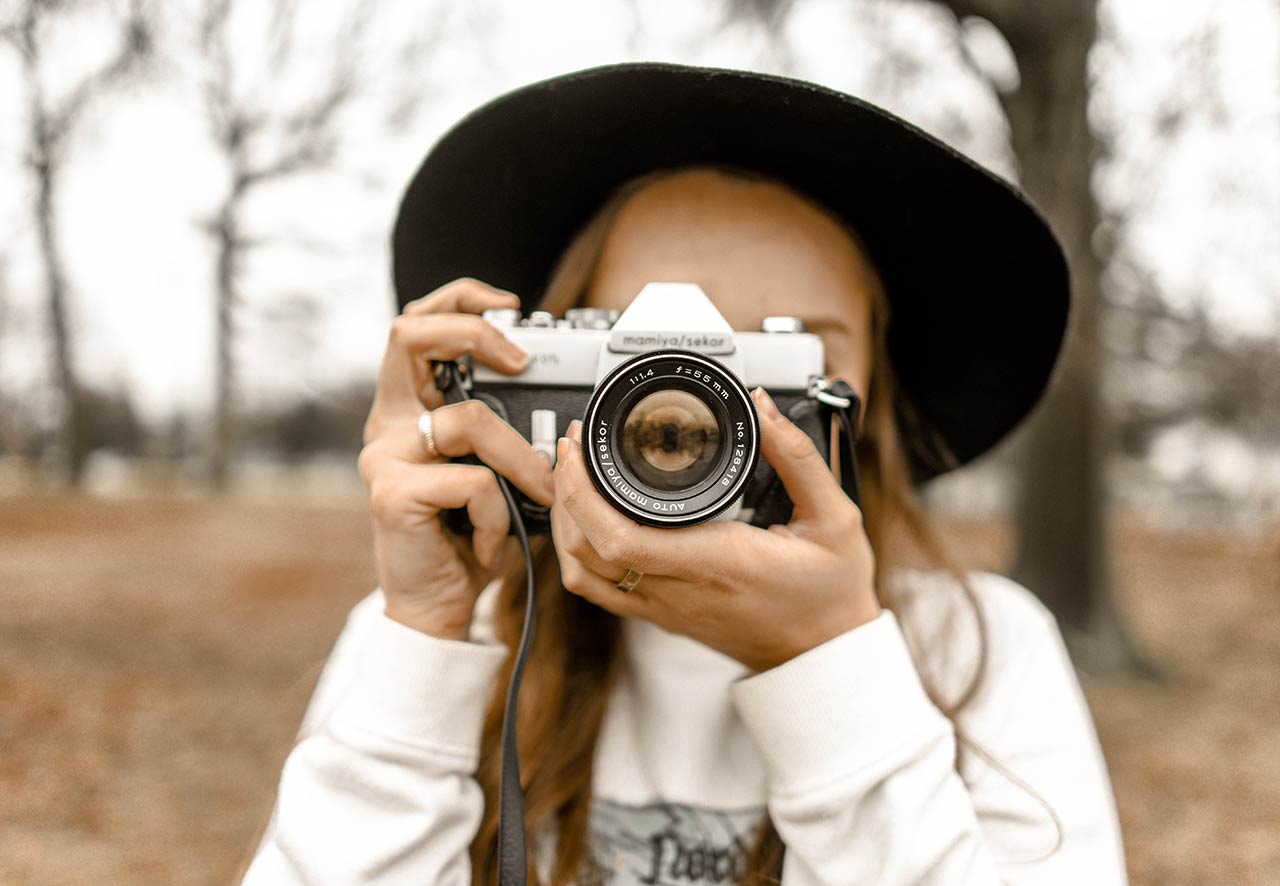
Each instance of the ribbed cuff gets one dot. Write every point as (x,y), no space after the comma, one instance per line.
(420,690)
(837,708)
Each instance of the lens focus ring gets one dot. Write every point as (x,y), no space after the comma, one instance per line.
(670,438)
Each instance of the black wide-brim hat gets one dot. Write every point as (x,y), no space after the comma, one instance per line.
(977,283)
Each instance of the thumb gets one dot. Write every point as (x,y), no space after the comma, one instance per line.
(803,471)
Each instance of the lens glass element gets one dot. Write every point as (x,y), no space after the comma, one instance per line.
(670,437)
(671,440)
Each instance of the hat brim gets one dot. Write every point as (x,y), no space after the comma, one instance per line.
(977,283)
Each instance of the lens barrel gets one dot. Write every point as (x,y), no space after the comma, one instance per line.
(670,438)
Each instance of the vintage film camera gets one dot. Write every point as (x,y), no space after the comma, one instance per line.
(670,433)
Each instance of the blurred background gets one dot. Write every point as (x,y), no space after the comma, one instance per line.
(195,201)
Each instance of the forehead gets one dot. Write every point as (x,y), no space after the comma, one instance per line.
(756,247)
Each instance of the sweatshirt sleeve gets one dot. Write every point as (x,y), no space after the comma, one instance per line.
(379,786)
(862,780)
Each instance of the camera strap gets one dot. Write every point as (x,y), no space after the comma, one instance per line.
(512,855)
(839,399)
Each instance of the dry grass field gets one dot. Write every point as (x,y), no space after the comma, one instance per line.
(156,656)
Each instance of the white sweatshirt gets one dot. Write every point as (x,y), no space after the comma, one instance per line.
(853,762)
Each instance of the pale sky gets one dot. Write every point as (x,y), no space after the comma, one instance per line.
(143,171)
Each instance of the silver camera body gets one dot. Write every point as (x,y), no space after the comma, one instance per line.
(581,348)
(690,453)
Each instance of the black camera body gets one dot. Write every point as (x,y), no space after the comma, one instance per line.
(670,434)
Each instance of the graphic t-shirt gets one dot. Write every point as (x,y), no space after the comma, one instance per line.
(670,844)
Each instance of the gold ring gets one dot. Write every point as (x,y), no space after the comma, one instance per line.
(425,434)
(628,582)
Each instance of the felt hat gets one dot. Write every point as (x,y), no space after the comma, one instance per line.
(976,281)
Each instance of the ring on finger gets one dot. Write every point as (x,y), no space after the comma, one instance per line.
(628,582)
(426,434)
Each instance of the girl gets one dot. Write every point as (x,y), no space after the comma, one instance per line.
(791,703)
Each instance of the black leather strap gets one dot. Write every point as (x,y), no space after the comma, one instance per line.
(847,416)
(512,852)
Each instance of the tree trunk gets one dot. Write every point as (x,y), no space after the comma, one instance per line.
(226,235)
(1061,502)
(72,432)
(9,407)
(48,136)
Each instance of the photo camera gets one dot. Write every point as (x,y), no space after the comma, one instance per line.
(670,433)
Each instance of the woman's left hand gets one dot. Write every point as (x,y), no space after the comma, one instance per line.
(761,596)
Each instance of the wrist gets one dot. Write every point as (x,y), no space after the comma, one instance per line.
(442,622)
(833,626)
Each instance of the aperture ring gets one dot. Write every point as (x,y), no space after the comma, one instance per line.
(629,382)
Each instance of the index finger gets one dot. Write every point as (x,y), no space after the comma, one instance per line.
(405,386)
(687,552)
(465,295)
(408,381)
(804,473)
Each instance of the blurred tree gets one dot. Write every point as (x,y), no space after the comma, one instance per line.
(176,441)
(331,420)
(770,16)
(1175,367)
(53,111)
(10,414)
(113,423)
(7,435)
(262,141)
(267,133)
(1061,504)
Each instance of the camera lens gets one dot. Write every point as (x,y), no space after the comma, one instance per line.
(670,437)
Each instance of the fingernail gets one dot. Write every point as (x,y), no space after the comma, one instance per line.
(575,430)
(767,407)
(561,445)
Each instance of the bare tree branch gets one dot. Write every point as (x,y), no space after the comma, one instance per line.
(135,46)
(282,29)
(306,154)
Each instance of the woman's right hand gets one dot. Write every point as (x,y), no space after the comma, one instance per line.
(429,576)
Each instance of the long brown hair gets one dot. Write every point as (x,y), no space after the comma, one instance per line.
(575,658)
